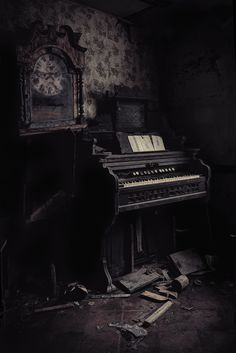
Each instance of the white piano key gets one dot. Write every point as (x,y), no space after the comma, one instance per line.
(159,180)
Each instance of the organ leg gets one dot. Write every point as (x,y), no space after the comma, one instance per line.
(109,286)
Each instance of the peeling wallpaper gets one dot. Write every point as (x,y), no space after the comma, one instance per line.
(116,54)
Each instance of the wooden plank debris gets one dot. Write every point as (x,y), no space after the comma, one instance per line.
(154,296)
(188,261)
(166,275)
(138,279)
(157,313)
(55,307)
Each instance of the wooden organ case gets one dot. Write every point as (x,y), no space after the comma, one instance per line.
(134,193)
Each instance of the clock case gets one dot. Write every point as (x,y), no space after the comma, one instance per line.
(61,42)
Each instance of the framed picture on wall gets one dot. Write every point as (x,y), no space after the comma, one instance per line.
(131,114)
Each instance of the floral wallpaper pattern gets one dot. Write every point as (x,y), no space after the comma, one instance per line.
(116,54)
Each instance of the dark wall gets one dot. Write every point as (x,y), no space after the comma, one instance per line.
(195,52)
(200,103)
(199,82)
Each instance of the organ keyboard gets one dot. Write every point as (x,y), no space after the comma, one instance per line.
(151,179)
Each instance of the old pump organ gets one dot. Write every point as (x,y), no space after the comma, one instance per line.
(143,180)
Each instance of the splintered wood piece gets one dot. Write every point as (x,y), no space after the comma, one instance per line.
(154,296)
(161,287)
(168,293)
(158,313)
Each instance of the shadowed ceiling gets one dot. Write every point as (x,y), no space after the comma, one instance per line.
(130,8)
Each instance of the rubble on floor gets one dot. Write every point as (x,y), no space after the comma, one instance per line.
(159,292)
(188,261)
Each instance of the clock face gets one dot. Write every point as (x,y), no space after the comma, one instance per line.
(47,77)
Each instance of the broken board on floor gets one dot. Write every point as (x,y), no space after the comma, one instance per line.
(188,261)
(138,279)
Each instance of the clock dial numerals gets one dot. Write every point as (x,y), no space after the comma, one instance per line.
(47,77)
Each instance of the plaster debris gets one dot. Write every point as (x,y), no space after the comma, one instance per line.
(135,330)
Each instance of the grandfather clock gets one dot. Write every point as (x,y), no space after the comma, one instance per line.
(51,64)
(51,119)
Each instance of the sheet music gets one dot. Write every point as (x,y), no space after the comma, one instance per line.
(133,143)
(141,144)
(146,143)
(158,143)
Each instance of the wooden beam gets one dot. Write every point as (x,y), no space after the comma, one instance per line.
(158,313)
